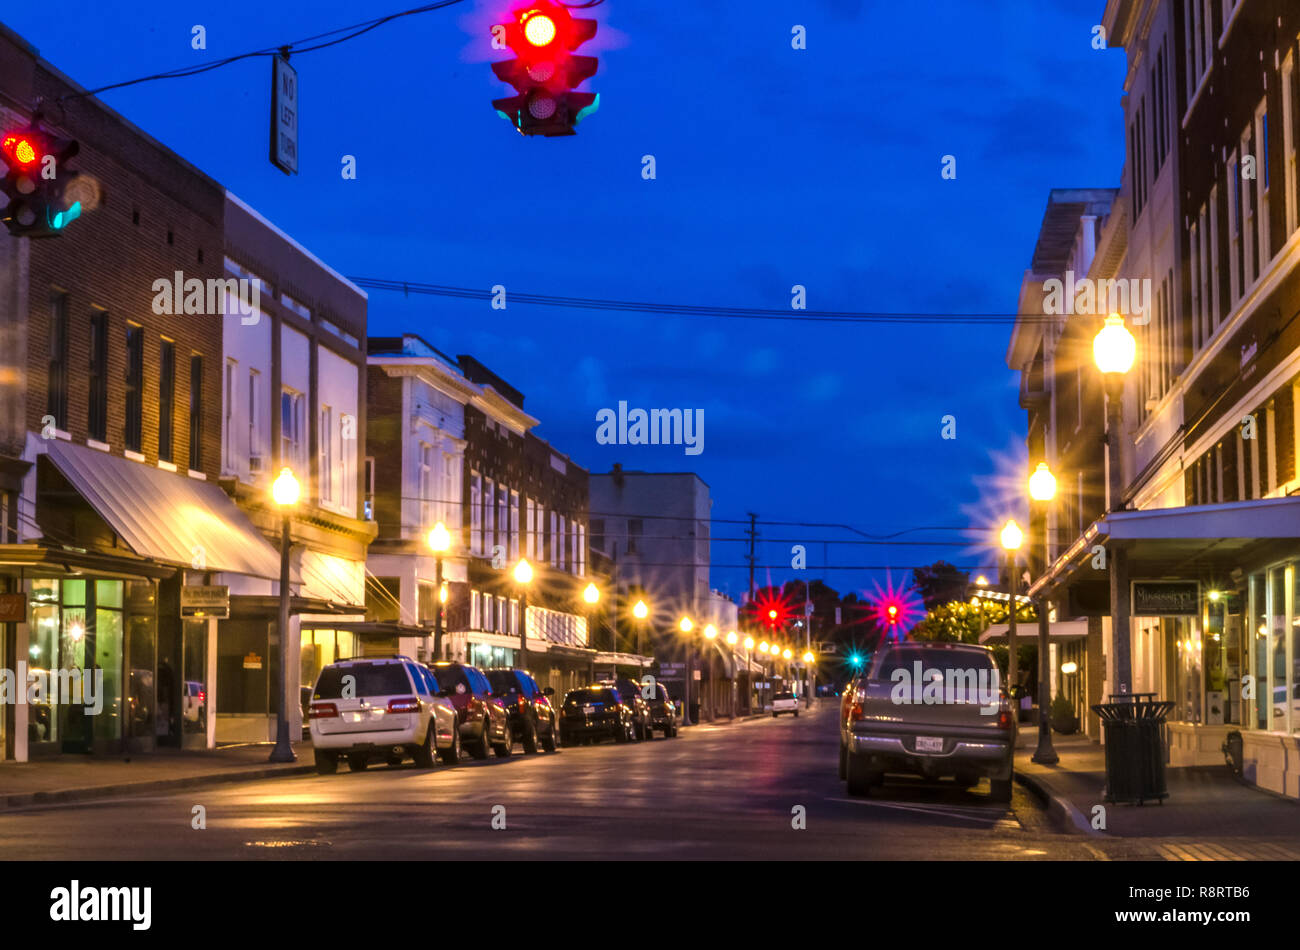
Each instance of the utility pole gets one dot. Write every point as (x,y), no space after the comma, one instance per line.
(753,537)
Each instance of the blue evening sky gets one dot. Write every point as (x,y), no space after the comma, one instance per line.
(775,167)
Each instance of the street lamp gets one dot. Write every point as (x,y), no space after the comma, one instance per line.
(1012,536)
(439,544)
(285,492)
(1042,489)
(686,626)
(591,595)
(1113,350)
(523,574)
(640,611)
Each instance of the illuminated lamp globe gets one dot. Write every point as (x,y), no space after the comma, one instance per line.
(1042,484)
(285,488)
(591,595)
(523,571)
(1114,349)
(640,611)
(1012,536)
(439,538)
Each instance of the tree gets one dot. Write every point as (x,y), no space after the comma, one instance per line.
(940,583)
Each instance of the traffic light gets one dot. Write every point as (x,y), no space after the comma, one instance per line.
(37,182)
(543,35)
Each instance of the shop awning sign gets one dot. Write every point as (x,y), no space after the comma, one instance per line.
(1166,598)
(202,602)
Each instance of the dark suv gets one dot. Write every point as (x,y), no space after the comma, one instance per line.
(663,712)
(634,697)
(594,713)
(533,719)
(482,718)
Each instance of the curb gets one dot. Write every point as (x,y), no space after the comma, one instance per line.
(1060,808)
(30,799)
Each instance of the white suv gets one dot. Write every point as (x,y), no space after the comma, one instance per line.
(386,708)
(785,703)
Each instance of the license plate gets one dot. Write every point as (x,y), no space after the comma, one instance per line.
(929,744)
(589,709)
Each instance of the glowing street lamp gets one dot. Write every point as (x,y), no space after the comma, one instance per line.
(808,657)
(732,638)
(1042,489)
(1113,348)
(749,643)
(685,625)
(285,492)
(640,611)
(1012,537)
(523,574)
(439,544)
(591,594)
(1042,484)
(710,632)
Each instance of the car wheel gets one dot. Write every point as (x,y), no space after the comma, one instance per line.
(1000,789)
(844,765)
(327,763)
(621,732)
(860,777)
(483,746)
(506,745)
(774,713)
(796,714)
(530,738)
(358,763)
(549,742)
(424,754)
(451,756)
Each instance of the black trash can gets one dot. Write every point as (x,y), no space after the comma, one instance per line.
(1135,749)
(695,712)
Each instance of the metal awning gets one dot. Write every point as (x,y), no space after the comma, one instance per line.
(164,516)
(1186,541)
(1060,630)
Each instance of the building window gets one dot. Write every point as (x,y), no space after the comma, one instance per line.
(634,529)
(515,526)
(370,488)
(326,462)
(1216,285)
(228,429)
(134,386)
(1289,142)
(475,513)
(347,453)
(98,377)
(503,518)
(1264,252)
(290,428)
(426,485)
(196,412)
(166,398)
(56,401)
(489,516)
(255,463)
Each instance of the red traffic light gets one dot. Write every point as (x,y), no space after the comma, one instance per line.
(22,148)
(539,29)
(543,35)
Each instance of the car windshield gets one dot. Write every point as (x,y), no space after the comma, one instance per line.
(502,681)
(371,679)
(905,658)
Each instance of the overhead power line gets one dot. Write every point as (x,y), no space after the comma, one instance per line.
(296,47)
(693,310)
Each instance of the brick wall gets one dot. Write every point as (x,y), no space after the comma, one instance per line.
(384,428)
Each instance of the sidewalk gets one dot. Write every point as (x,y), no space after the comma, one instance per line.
(70,778)
(1201,798)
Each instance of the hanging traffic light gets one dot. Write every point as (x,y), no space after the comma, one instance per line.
(37,182)
(543,35)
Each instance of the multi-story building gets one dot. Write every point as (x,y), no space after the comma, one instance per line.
(109,424)
(1209,211)
(465,456)
(293,396)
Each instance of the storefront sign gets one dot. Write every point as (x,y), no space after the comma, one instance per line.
(252,661)
(1166,598)
(13,608)
(212,601)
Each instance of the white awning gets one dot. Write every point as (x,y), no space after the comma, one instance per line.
(1060,630)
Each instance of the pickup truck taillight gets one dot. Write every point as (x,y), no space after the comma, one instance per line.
(1004,718)
(323,711)
(855,712)
(407,704)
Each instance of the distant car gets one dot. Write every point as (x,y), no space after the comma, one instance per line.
(633,694)
(786,702)
(533,720)
(194,701)
(594,713)
(664,714)
(956,723)
(484,726)
(385,708)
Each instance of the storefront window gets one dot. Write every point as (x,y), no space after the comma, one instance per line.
(108,653)
(43,654)
(1278,624)
(1216,662)
(1258,637)
(1187,668)
(194,686)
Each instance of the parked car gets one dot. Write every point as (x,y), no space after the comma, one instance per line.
(664,714)
(956,723)
(386,708)
(194,706)
(633,696)
(484,726)
(847,698)
(533,720)
(785,702)
(594,713)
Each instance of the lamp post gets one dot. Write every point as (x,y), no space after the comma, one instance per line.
(711,634)
(749,674)
(440,544)
(591,596)
(284,491)
(523,574)
(686,626)
(1012,536)
(1042,489)
(1113,350)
